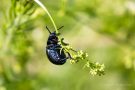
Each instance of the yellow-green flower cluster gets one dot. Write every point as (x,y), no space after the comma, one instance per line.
(76,56)
(79,55)
(95,68)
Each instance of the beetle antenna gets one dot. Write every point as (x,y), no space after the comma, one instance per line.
(48,29)
(60,27)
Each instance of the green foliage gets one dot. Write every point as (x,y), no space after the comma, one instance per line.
(103,28)
(15,42)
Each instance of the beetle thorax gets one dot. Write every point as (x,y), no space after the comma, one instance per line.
(53,39)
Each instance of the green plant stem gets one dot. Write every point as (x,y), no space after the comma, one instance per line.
(43,6)
(8,39)
(10,33)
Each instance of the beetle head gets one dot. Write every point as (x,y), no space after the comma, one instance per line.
(53,39)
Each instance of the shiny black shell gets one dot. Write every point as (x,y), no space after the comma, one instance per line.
(53,50)
(55,55)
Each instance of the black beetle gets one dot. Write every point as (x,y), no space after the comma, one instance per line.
(54,50)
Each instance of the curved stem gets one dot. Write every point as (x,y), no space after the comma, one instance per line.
(45,9)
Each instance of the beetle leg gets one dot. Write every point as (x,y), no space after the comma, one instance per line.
(69,56)
(57,47)
(65,58)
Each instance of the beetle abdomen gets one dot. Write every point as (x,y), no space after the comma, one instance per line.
(55,56)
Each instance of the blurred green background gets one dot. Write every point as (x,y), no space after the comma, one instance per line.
(103,28)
